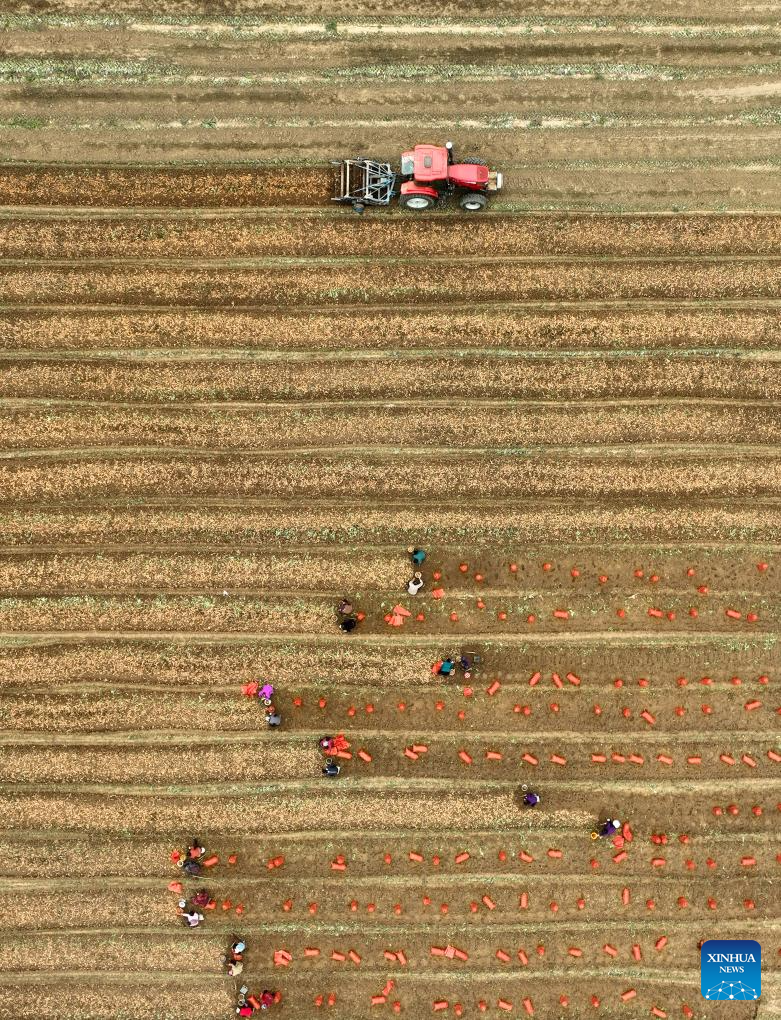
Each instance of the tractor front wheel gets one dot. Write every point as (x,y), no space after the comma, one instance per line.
(474,201)
(417,203)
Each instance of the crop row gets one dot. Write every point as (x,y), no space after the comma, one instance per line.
(488,572)
(303,856)
(361,282)
(667,325)
(47,426)
(540,528)
(551,760)
(355,662)
(681,473)
(233,235)
(360,805)
(619,727)
(360,376)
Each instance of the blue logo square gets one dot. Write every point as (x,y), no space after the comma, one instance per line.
(731,969)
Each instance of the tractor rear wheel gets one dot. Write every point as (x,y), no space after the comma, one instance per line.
(473,202)
(417,203)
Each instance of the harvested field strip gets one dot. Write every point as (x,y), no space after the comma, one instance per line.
(521,474)
(250,186)
(581,326)
(385,571)
(83,708)
(251,234)
(78,949)
(290,807)
(430,282)
(181,660)
(226,524)
(306,614)
(133,765)
(71,855)
(529,376)
(44,425)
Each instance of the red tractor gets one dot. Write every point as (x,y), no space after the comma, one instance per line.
(428,174)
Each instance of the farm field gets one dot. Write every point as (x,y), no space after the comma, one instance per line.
(214,425)
(226,404)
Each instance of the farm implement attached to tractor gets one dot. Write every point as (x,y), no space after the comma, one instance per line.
(428,174)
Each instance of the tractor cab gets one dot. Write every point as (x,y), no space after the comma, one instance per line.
(426,163)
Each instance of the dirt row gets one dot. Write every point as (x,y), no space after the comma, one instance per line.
(293,757)
(540,528)
(331,235)
(511,328)
(678,472)
(502,572)
(361,282)
(337,661)
(46,426)
(363,376)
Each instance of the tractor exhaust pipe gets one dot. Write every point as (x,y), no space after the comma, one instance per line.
(449,147)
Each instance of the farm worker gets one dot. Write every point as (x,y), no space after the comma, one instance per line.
(266,692)
(331,768)
(465,663)
(192,918)
(345,607)
(196,851)
(244,1009)
(531,799)
(416,555)
(414,586)
(327,745)
(266,999)
(609,828)
(348,624)
(237,949)
(201,898)
(234,968)
(273,719)
(447,667)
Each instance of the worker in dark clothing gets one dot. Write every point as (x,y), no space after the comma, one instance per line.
(331,768)
(267,999)
(192,868)
(348,624)
(416,555)
(273,719)
(609,828)
(201,898)
(531,799)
